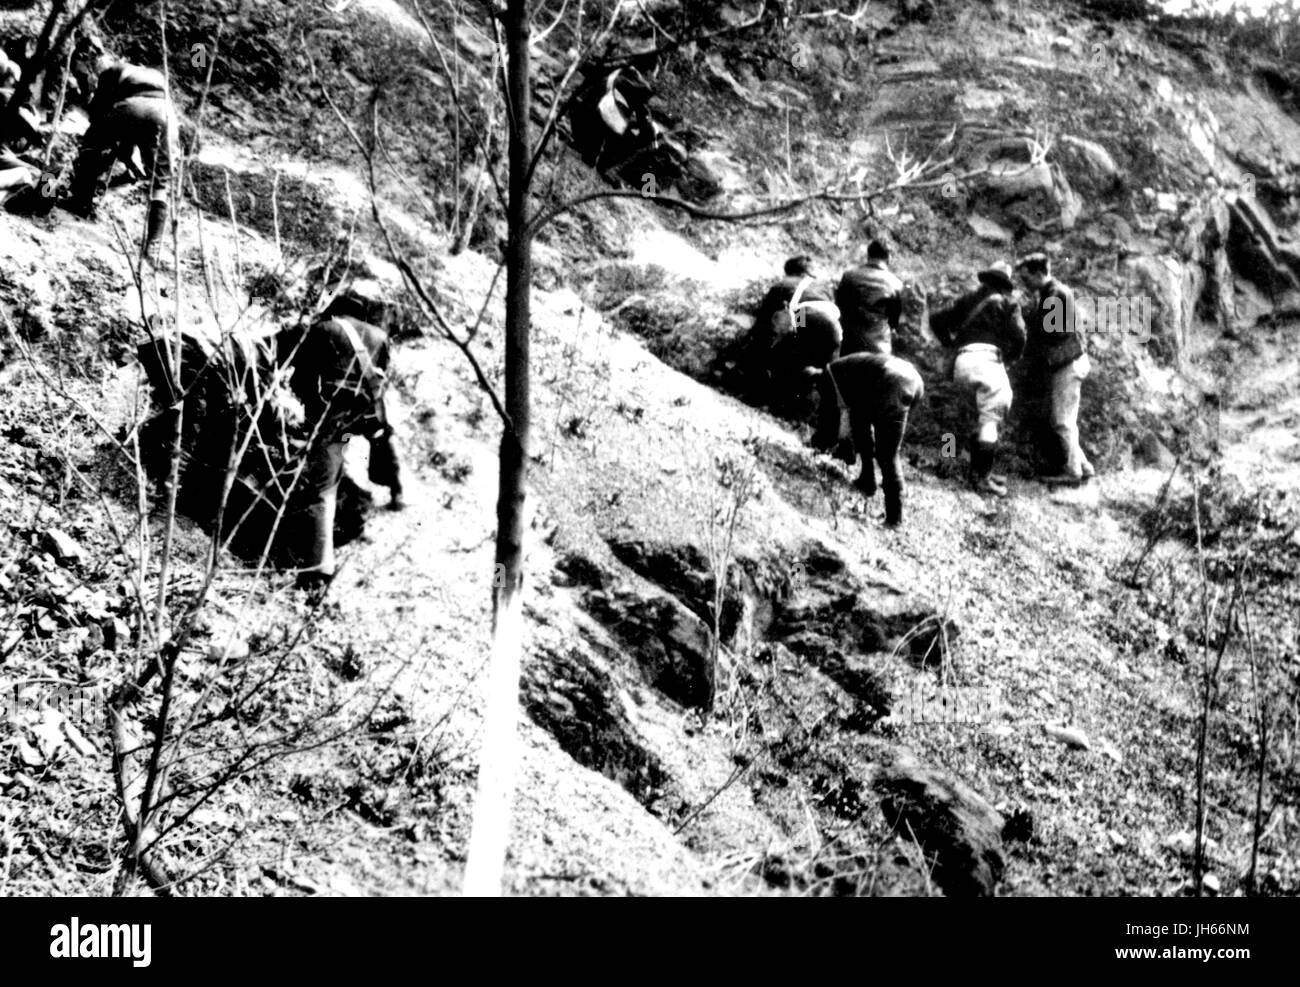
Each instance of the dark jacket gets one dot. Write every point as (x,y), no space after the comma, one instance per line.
(869,298)
(340,368)
(1054,336)
(984,315)
(122,82)
(782,293)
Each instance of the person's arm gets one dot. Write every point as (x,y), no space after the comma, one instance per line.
(894,309)
(1014,331)
(942,322)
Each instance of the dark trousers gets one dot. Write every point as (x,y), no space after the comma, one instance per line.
(877,394)
(319,492)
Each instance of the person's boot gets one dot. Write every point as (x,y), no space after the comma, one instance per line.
(893,504)
(977,472)
(982,478)
(157,222)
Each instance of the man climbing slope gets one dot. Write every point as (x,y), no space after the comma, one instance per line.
(339,373)
(872,396)
(130,111)
(797,326)
(986,328)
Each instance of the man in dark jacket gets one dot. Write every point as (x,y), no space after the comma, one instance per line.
(130,110)
(873,394)
(1056,352)
(797,326)
(987,329)
(339,373)
(870,301)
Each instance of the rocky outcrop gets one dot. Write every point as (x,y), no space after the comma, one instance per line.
(569,695)
(670,644)
(1257,250)
(955,826)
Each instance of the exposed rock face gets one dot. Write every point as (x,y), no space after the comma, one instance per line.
(949,820)
(577,702)
(1258,252)
(670,643)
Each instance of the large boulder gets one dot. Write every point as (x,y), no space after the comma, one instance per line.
(953,824)
(1089,166)
(1020,191)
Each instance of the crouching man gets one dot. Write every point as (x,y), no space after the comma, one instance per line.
(340,374)
(130,111)
(873,395)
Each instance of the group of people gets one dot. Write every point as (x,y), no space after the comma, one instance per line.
(839,344)
(337,362)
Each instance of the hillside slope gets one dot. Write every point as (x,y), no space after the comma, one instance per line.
(999,697)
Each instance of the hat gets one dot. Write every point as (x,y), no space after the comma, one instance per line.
(997,275)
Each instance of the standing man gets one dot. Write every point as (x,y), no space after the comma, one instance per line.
(340,372)
(872,395)
(1058,356)
(870,301)
(986,328)
(130,110)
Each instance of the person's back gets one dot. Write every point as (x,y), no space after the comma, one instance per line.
(985,315)
(772,343)
(870,302)
(339,369)
(987,330)
(122,81)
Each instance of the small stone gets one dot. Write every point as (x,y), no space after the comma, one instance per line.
(236,649)
(1211,883)
(117,635)
(988,229)
(63,547)
(1071,737)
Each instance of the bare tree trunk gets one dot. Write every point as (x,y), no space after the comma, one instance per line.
(491,827)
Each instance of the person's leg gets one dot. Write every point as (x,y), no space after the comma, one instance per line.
(992,401)
(905,387)
(864,441)
(385,468)
(154,133)
(890,427)
(94,164)
(827,432)
(319,485)
(1067,383)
